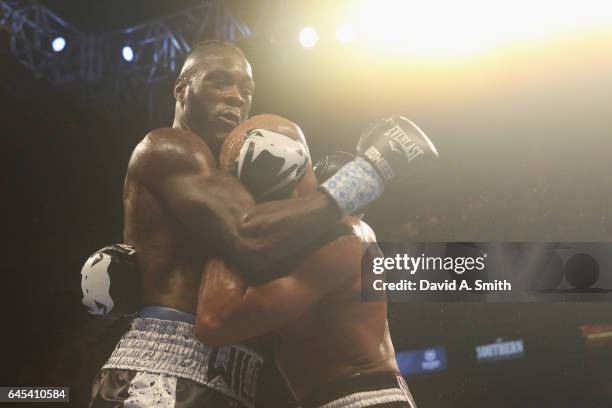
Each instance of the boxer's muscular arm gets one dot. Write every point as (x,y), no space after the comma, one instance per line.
(178,167)
(229,311)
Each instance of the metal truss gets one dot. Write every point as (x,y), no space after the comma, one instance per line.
(158,46)
(32,28)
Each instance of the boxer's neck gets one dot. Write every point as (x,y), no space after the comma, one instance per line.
(181,122)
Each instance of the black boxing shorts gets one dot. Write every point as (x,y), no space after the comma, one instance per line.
(388,390)
(160,363)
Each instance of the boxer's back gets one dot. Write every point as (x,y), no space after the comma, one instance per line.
(343,335)
(170,257)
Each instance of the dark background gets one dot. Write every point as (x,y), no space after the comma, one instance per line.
(526,149)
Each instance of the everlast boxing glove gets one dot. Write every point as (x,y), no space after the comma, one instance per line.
(389,151)
(110,282)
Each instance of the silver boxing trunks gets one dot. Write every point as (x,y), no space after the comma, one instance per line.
(160,363)
(380,390)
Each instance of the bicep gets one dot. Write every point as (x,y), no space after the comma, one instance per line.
(221,291)
(229,312)
(325,270)
(211,205)
(182,173)
(282,300)
(226,315)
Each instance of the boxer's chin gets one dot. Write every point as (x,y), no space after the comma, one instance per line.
(221,130)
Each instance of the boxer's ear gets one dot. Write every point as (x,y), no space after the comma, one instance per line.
(180,89)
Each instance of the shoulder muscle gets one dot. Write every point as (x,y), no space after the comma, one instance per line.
(166,152)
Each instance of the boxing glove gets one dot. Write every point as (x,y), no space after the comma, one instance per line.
(270,164)
(110,282)
(328,165)
(389,151)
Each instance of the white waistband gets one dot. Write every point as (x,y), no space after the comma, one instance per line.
(368,399)
(171,348)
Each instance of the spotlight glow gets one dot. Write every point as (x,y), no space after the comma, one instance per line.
(345,33)
(58,44)
(453,28)
(308,37)
(127,53)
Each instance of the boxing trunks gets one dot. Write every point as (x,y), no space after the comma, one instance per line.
(160,363)
(383,390)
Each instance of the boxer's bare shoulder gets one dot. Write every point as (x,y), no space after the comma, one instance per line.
(170,150)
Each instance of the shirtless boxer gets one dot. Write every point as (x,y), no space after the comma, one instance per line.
(180,211)
(333,349)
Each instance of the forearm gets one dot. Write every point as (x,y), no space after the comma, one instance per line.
(253,235)
(230,312)
(246,320)
(226,314)
(270,232)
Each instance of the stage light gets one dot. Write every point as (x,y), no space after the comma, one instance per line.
(58,44)
(446,28)
(345,33)
(127,53)
(308,37)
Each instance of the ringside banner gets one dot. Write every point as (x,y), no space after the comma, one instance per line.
(487,272)
(421,361)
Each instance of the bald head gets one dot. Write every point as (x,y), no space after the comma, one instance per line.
(205,51)
(213,91)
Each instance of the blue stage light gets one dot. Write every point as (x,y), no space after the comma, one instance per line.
(127,53)
(58,44)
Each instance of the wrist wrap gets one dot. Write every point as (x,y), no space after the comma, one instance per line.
(354,185)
